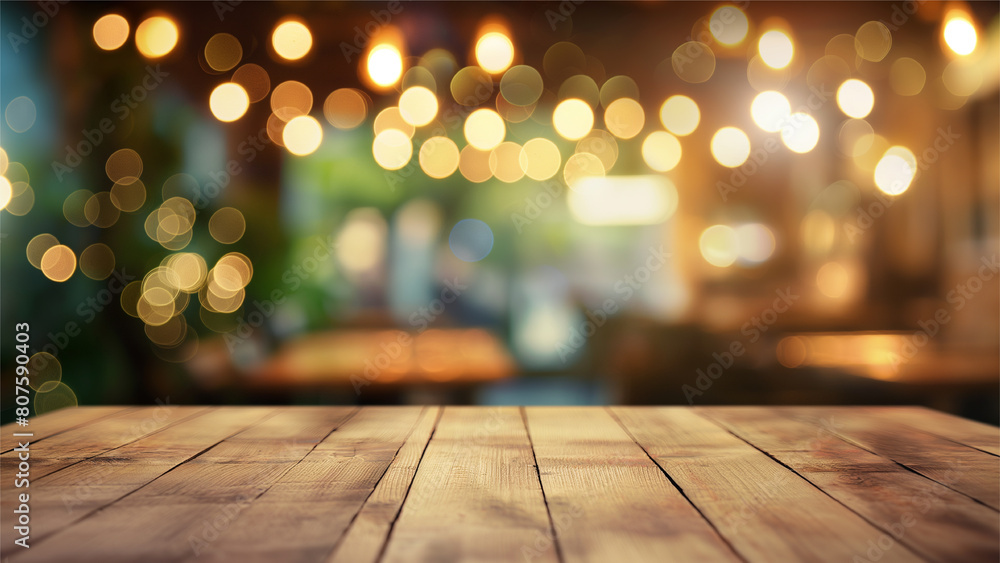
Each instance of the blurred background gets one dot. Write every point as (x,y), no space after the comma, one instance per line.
(501,203)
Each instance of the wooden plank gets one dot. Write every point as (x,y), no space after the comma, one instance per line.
(365,538)
(54,423)
(62,498)
(962,468)
(83,442)
(312,505)
(608,500)
(964,431)
(931,519)
(766,512)
(65,449)
(476,495)
(177,515)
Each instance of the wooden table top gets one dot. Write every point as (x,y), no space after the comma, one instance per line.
(332,484)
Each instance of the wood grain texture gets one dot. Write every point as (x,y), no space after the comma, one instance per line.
(83,442)
(608,500)
(73,493)
(303,515)
(77,443)
(933,520)
(535,484)
(476,495)
(178,515)
(766,512)
(969,432)
(965,469)
(53,423)
(365,538)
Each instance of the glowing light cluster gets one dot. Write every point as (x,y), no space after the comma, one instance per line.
(494,52)
(960,34)
(385,65)
(156,36)
(291,40)
(776,49)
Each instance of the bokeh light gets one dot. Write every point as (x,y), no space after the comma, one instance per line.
(582,87)
(6,192)
(124,165)
(661,151)
(20,114)
(361,241)
(392,149)
(601,144)
(346,108)
(227,225)
(22,199)
(962,77)
(439,157)
(291,99)
(392,118)
(623,200)
(484,129)
(223,52)
(833,280)
(562,60)
(618,87)
(895,171)
(302,135)
(856,137)
(907,76)
(960,34)
(729,25)
(58,263)
(730,146)
(73,207)
(44,372)
(228,102)
(801,133)
(855,98)
(540,159)
(719,245)
(693,62)
(521,85)
(755,243)
(494,52)
(59,397)
(101,211)
(418,106)
(471,86)
(505,162)
(156,36)
(470,240)
(873,41)
(97,261)
(474,164)
(776,49)
(37,247)
(385,65)
(291,40)
(680,115)
(624,118)
(573,119)
(770,110)
(111,32)
(255,80)
(582,165)
(128,194)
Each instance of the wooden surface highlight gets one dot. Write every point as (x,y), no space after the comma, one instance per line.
(546,484)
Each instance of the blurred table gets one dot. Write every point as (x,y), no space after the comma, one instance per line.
(367,484)
(360,361)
